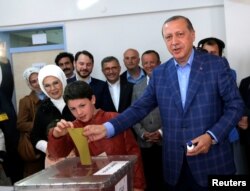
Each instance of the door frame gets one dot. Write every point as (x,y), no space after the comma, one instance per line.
(4,33)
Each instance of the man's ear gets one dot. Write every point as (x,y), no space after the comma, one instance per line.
(93,99)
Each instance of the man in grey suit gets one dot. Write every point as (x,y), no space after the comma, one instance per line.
(199,104)
(148,131)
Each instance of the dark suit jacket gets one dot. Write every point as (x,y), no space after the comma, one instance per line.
(213,103)
(12,163)
(126,90)
(69,80)
(9,126)
(244,89)
(98,87)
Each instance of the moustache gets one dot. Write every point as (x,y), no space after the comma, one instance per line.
(66,69)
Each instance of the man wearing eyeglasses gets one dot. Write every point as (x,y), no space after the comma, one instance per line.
(117,92)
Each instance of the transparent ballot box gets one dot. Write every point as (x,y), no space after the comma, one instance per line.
(106,173)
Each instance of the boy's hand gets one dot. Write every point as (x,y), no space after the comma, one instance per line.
(61,128)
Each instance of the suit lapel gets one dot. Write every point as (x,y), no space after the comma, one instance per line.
(195,79)
(174,85)
(109,100)
(123,93)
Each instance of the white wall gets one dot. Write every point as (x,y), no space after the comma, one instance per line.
(15,12)
(237,36)
(111,26)
(112,35)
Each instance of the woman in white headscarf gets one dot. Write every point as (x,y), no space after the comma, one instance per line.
(52,81)
(28,106)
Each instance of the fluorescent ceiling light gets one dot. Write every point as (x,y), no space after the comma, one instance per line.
(84,4)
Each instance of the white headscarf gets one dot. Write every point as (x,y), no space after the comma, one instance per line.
(27,73)
(56,71)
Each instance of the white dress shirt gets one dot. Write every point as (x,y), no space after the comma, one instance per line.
(114,90)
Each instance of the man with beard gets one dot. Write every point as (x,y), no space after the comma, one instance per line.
(84,63)
(65,61)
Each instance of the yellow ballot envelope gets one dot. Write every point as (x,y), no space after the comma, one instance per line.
(81,145)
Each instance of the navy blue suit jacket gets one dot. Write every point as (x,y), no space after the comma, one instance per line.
(98,87)
(9,126)
(244,89)
(69,80)
(212,103)
(126,90)
(12,163)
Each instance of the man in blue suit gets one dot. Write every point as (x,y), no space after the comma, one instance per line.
(84,64)
(198,102)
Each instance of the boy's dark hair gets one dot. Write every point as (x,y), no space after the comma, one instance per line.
(77,90)
(62,55)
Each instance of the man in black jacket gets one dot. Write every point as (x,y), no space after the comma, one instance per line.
(117,92)
(11,160)
(243,125)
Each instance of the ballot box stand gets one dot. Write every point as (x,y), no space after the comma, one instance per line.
(106,173)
